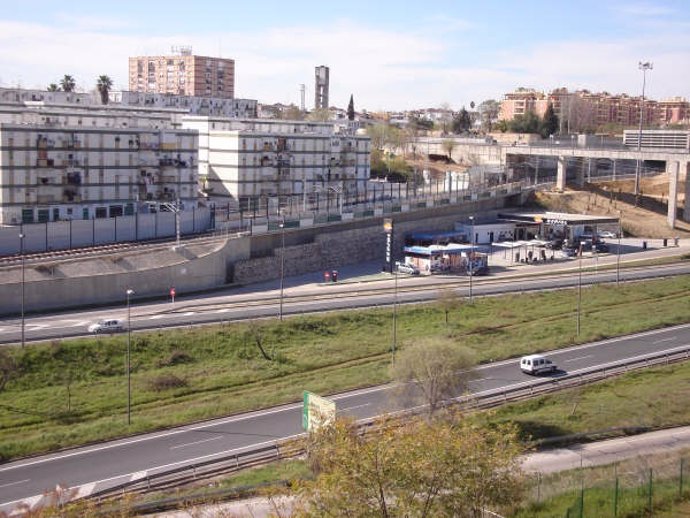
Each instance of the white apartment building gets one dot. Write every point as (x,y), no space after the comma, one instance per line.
(63,163)
(252,164)
(177,105)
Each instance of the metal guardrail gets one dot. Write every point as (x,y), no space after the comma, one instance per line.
(283,449)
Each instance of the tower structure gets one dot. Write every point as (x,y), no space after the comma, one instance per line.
(321,87)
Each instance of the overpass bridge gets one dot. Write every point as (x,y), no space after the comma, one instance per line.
(677,165)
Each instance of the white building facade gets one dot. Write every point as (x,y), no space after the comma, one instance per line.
(253,164)
(64,163)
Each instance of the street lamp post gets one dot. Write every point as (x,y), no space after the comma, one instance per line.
(618,251)
(644,67)
(21,253)
(579,290)
(395,316)
(282,267)
(129,293)
(471,256)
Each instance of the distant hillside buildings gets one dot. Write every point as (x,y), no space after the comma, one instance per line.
(583,110)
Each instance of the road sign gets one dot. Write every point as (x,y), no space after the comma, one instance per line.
(317,411)
(172,294)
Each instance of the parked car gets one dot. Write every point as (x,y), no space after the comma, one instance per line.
(111,325)
(410,269)
(536,364)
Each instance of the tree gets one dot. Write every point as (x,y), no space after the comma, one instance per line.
(103,85)
(351,109)
(377,133)
(292,113)
(446,116)
(67,83)
(52,87)
(448,146)
(442,468)
(319,115)
(433,371)
(488,113)
(527,123)
(449,301)
(462,121)
(549,124)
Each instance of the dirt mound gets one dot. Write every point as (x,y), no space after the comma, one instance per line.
(603,199)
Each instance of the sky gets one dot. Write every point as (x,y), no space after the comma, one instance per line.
(389,54)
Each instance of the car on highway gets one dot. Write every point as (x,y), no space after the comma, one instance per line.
(536,364)
(409,269)
(110,325)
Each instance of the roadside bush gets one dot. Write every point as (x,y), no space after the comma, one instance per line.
(166,382)
(176,357)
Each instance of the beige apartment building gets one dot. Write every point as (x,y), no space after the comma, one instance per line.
(583,110)
(64,163)
(255,164)
(183,74)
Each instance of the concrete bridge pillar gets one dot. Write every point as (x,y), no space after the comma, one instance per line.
(560,174)
(584,167)
(685,172)
(672,192)
(613,169)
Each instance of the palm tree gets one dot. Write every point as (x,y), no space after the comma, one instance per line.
(103,85)
(68,83)
(52,87)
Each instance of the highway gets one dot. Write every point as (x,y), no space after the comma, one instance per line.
(104,465)
(231,305)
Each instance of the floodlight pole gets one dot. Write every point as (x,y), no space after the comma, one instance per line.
(129,293)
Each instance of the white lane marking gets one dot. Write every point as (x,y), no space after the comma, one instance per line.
(189,313)
(37,327)
(223,310)
(353,407)
(138,475)
(665,340)
(578,358)
(15,483)
(85,490)
(155,317)
(2,329)
(82,323)
(195,442)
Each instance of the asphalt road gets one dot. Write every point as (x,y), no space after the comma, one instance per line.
(231,305)
(96,467)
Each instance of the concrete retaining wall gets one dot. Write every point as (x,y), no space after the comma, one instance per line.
(243,260)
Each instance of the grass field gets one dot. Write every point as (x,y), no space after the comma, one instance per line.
(74,391)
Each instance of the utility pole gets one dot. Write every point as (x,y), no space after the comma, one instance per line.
(644,67)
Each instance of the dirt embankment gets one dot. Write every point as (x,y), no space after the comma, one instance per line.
(647,219)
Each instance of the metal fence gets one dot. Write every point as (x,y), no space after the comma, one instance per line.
(65,235)
(643,487)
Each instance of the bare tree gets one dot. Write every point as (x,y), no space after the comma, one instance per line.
(434,371)
(449,301)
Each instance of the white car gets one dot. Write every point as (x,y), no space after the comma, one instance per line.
(111,325)
(536,364)
(406,268)
(607,234)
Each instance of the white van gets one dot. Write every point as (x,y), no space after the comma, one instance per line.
(536,364)
(111,325)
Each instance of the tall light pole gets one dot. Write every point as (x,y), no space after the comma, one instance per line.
(395,316)
(579,290)
(618,254)
(471,256)
(282,267)
(21,253)
(644,67)
(129,293)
